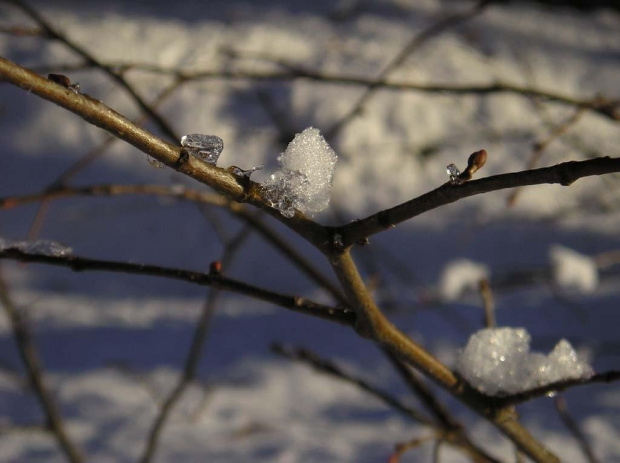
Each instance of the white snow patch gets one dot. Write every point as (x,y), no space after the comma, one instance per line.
(572,270)
(304,180)
(46,247)
(460,275)
(498,362)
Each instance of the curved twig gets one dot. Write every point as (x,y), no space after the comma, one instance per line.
(564,174)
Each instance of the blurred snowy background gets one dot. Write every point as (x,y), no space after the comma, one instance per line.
(113,345)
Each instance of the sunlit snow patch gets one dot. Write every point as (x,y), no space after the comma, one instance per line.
(460,275)
(304,180)
(498,362)
(572,270)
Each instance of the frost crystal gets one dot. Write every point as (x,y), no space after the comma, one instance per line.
(46,247)
(572,270)
(453,173)
(498,362)
(208,147)
(304,180)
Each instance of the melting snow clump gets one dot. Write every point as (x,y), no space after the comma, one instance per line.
(46,247)
(498,362)
(304,180)
(572,270)
(459,275)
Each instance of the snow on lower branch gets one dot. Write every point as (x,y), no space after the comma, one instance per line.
(49,248)
(304,180)
(498,362)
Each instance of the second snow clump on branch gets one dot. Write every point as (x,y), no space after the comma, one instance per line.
(304,180)
(498,362)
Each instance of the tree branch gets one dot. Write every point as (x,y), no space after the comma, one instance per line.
(98,114)
(564,174)
(342,316)
(186,194)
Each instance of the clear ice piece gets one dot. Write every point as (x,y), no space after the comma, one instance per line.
(304,180)
(245,173)
(208,147)
(453,172)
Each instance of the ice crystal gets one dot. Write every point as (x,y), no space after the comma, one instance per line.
(208,147)
(453,173)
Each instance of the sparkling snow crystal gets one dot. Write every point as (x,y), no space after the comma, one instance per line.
(304,180)
(572,270)
(498,362)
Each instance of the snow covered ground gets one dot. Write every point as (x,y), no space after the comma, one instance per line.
(113,345)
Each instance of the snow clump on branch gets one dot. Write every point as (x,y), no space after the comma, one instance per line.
(498,362)
(304,180)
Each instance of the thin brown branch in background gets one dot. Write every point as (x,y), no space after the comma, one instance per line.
(402,448)
(299,304)
(489,304)
(186,194)
(452,430)
(85,161)
(30,357)
(195,352)
(541,146)
(416,42)
(331,369)
(571,425)
(54,34)
(603,106)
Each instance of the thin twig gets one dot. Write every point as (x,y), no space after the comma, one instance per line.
(194,354)
(603,106)
(571,425)
(488,302)
(299,304)
(186,194)
(451,429)
(331,369)
(564,174)
(30,357)
(404,447)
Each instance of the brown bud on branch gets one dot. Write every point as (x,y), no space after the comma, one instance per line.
(474,163)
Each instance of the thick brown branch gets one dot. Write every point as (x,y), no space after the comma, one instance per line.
(100,115)
(564,174)
(294,303)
